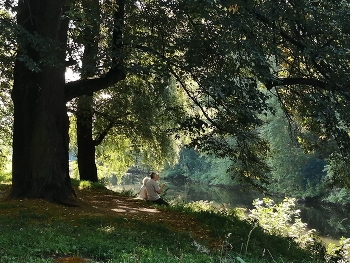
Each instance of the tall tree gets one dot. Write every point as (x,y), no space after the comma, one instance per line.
(40,136)
(84,113)
(40,140)
(219,54)
(128,110)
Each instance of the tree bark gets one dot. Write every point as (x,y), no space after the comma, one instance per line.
(40,137)
(40,167)
(86,145)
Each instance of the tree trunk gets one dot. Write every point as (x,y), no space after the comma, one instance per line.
(86,144)
(40,137)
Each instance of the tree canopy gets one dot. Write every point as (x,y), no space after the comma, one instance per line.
(228,57)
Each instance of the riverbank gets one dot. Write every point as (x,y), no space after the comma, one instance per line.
(111,227)
(330,222)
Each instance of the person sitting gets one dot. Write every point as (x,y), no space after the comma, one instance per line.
(143,190)
(153,190)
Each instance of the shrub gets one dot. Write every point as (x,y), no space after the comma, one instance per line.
(282,220)
(90,185)
(127,193)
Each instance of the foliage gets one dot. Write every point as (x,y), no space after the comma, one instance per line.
(73,170)
(302,64)
(5,163)
(222,56)
(282,220)
(339,253)
(6,177)
(293,169)
(216,103)
(114,156)
(337,180)
(243,235)
(200,168)
(337,171)
(131,125)
(200,206)
(339,196)
(7,46)
(132,119)
(128,193)
(312,56)
(90,185)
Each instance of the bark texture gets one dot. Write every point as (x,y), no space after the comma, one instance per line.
(40,163)
(40,136)
(86,144)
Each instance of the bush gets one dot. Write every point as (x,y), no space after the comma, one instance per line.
(90,185)
(339,196)
(282,220)
(5,177)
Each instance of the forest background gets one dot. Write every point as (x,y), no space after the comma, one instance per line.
(236,92)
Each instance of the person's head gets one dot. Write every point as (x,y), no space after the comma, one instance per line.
(154,176)
(145,180)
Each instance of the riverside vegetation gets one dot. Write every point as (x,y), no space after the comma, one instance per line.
(117,227)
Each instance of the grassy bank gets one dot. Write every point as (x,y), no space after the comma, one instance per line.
(110,227)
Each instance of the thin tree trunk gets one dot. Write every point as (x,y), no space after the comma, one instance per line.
(86,143)
(86,146)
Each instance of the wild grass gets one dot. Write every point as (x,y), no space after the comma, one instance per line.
(28,235)
(24,238)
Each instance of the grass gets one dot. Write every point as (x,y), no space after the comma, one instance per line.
(36,231)
(96,239)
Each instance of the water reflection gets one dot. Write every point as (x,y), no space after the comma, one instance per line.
(330,223)
(232,197)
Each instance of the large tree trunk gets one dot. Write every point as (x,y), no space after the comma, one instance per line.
(40,137)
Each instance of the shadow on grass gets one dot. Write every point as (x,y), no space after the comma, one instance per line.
(109,227)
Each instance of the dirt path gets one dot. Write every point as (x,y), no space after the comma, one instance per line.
(106,203)
(113,204)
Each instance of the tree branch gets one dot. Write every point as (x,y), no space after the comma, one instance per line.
(115,74)
(111,124)
(295,81)
(103,134)
(84,86)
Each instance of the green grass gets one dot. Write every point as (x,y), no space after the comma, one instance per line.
(251,243)
(38,235)
(24,238)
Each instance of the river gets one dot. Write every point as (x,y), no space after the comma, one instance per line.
(330,222)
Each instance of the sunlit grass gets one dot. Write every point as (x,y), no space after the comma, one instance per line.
(109,240)
(35,231)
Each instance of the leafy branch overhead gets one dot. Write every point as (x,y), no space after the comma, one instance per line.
(222,53)
(159,70)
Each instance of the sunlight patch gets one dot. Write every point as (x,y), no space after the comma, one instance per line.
(126,209)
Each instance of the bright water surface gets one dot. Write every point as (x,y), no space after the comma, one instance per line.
(330,223)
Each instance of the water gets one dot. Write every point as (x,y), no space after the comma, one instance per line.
(194,192)
(330,222)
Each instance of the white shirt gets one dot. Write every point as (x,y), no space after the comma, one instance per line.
(143,192)
(152,189)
